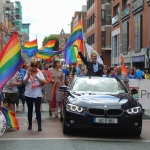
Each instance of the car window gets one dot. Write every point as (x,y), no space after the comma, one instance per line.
(108,85)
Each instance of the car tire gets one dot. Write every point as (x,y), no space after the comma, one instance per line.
(137,133)
(65,128)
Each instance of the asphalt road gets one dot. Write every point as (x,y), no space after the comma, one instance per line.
(52,138)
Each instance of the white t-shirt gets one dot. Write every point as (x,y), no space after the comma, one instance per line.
(34,92)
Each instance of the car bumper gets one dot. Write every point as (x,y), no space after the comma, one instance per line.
(126,122)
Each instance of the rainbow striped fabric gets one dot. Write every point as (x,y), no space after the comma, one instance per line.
(71,53)
(124,70)
(75,35)
(11,119)
(10,60)
(54,95)
(47,52)
(32,46)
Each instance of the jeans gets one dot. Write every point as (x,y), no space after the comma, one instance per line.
(21,96)
(37,102)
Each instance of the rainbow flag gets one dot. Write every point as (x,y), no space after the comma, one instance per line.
(47,52)
(75,35)
(10,60)
(121,59)
(11,119)
(71,53)
(124,70)
(32,46)
(54,95)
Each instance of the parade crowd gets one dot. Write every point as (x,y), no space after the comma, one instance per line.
(31,84)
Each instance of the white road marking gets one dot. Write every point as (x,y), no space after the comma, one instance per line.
(84,139)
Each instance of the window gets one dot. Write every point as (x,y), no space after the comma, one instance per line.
(90,21)
(89,3)
(115,46)
(138,33)
(103,85)
(125,37)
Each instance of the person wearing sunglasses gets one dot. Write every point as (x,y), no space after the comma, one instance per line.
(34,81)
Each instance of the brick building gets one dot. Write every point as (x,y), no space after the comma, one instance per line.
(130,32)
(99,27)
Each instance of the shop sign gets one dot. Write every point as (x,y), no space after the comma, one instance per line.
(138,58)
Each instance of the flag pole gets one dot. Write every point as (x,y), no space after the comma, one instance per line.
(83,34)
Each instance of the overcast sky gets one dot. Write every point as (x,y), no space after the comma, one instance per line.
(49,16)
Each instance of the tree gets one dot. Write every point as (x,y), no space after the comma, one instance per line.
(52,37)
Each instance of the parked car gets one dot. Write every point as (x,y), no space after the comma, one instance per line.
(101,104)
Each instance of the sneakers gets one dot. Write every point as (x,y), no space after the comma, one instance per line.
(30,128)
(17,109)
(39,128)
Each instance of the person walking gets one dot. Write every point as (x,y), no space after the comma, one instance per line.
(34,80)
(10,92)
(93,68)
(21,89)
(57,76)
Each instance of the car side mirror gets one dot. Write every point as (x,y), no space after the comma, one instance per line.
(64,89)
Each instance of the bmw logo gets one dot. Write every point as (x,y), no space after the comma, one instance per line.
(105,106)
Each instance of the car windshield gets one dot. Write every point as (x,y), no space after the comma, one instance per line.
(103,85)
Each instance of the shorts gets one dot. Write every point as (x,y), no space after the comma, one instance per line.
(10,98)
(1,97)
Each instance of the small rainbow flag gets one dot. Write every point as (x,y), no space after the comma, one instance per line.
(124,70)
(10,59)
(32,46)
(54,95)
(75,35)
(11,119)
(47,52)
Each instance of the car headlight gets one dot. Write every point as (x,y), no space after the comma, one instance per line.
(134,110)
(74,108)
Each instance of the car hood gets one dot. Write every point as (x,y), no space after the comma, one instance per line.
(96,100)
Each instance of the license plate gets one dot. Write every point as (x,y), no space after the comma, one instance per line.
(106,120)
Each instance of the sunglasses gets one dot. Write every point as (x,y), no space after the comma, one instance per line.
(32,65)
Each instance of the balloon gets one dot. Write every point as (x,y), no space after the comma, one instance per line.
(30,53)
(138,74)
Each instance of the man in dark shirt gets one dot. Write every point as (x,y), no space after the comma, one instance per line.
(93,67)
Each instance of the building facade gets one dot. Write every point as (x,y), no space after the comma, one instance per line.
(4,31)
(131,32)
(98,32)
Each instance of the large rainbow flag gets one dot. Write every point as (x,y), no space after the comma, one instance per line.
(76,34)
(11,119)
(54,95)
(32,46)
(47,52)
(71,53)
(124,70)
(10,60)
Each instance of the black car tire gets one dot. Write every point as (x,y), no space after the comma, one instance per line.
(65,128)
(137,133)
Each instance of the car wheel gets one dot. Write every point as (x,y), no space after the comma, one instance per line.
(65,128)
(138,133)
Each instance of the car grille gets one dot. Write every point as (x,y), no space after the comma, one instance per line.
(94,111)
(114,112)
